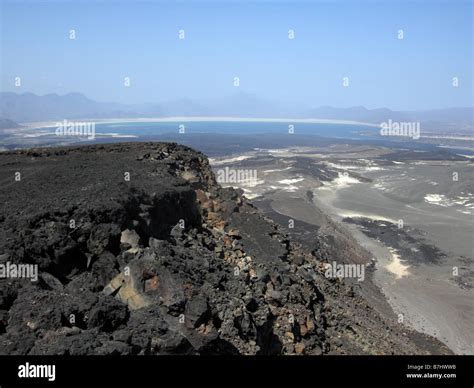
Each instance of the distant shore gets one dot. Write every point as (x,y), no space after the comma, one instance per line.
(53,123)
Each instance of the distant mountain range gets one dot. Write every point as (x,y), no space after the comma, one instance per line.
(29,107)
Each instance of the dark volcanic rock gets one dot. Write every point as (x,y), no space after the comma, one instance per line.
(141,252)
(108,314)
(104,237)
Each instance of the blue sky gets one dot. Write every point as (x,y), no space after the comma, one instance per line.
(354,39)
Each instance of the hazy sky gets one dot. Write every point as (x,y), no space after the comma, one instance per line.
(249,40)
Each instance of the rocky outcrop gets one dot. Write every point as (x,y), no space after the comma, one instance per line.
(140,252)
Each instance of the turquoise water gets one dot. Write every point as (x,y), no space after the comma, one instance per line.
(225,127)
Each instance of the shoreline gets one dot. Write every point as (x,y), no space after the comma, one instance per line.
(171,119)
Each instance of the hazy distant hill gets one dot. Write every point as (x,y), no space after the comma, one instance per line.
(453,115)
(459,116)
(356,113)
(249,105)
(7,123)
(31,107)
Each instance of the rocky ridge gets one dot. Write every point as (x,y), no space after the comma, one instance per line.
(140,251)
